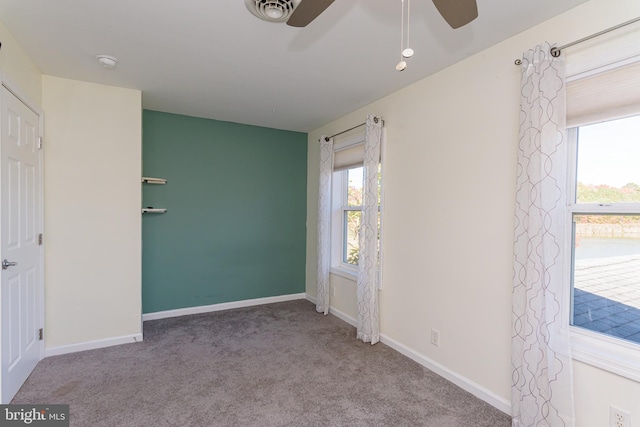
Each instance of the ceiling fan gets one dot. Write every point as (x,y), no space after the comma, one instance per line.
(300,13)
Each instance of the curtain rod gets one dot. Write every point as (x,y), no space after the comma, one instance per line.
(555,51)
(327,138)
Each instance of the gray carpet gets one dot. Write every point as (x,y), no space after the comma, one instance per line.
(273,365)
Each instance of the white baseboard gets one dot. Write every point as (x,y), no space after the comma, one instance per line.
(462,382)
(91,345)
(340,315)
(219,307)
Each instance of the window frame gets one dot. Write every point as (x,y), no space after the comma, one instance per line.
(339,207)
(339,200)
(604,351)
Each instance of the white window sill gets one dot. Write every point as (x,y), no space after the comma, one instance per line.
(608,353)
(345,272)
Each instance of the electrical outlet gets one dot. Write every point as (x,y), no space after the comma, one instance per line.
(333,291)
(435,337)
(619,417)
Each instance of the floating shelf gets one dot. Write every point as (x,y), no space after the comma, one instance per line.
(149,180)
(153,210)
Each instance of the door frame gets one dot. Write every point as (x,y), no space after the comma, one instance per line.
(35,107)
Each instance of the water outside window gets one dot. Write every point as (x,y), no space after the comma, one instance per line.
(606,254)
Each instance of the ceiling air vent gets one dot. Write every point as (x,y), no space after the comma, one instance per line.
(272,10)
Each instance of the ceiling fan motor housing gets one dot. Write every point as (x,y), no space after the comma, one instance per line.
(272,10)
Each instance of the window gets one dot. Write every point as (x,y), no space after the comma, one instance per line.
(347,193)
(605,212)
(603,216)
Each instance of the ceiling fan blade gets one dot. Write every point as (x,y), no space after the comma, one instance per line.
(457,12)
(307,11)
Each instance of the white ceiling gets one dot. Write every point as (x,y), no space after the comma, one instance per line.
(212,58)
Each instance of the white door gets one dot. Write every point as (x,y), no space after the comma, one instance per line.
(20,250)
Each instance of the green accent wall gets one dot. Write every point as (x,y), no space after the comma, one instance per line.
(235,227)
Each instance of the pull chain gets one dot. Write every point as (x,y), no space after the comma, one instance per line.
(405,52)
(402,64)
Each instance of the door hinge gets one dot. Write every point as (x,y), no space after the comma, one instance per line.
(40,239)
(40,142)
(40,334)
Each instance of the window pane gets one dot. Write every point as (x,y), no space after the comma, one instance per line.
(351,250)
(606,274)
(607,163)
(354,186)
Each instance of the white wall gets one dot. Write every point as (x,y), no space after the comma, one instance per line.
(16,66)
(449,181)
(92,160)
(93,165)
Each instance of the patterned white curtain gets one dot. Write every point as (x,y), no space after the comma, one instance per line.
(368,324)
(324,224)
(542,391)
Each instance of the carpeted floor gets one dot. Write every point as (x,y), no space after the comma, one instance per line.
(273,365)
